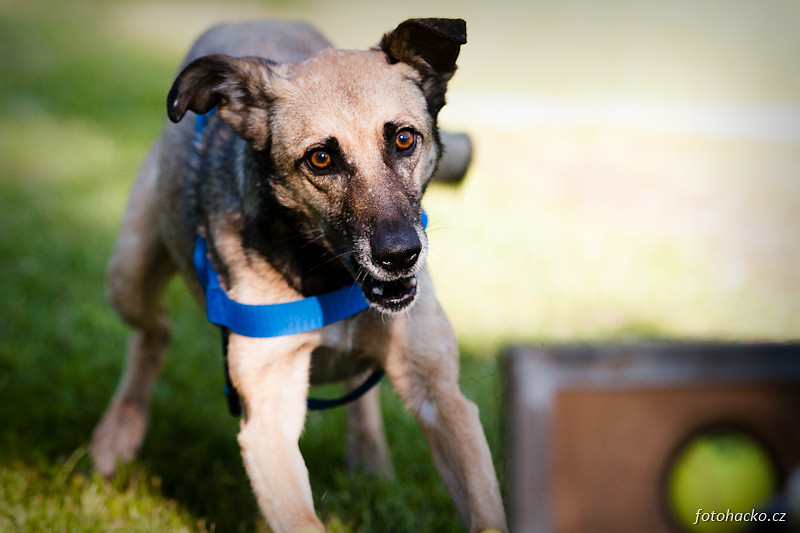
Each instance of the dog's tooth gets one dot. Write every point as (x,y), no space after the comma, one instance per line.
(377,290)
(410,283)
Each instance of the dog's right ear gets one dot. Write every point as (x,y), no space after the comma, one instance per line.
(432,47)
(239,88)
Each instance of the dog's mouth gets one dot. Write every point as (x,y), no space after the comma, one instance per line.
(392,296)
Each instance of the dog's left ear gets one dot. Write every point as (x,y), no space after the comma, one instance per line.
(431,46)
(239,87)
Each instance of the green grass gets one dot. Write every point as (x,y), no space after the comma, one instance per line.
(558,234)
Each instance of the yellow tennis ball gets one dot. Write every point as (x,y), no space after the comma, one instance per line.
(717,476)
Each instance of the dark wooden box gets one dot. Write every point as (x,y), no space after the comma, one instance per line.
(592,430)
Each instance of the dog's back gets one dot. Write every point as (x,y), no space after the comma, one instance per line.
(276,40)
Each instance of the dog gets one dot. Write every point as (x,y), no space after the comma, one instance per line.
(308,177)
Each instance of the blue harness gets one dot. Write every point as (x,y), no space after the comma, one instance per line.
(275,320)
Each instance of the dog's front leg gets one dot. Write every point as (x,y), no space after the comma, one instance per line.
(423,366)
(271,376)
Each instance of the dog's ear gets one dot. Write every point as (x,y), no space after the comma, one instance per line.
(238,87)
(431,46)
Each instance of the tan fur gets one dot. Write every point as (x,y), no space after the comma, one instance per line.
(314,95)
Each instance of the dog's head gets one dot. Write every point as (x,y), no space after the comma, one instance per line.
(352,141)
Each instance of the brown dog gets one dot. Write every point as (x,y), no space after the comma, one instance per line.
(308,177)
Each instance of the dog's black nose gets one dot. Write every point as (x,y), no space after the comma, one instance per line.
(396,250)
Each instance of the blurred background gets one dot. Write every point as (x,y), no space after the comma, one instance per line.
(636,175)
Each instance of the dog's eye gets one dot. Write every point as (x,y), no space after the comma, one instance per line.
(320,160)
(405,140)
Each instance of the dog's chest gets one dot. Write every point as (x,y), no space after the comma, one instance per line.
(342,354)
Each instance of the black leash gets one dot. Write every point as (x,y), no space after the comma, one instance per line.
(312,404)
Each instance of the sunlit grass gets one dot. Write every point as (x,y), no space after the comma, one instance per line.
(55,498)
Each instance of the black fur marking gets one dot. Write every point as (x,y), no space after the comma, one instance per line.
(276,233)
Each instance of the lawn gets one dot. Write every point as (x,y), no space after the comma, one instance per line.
(585,231)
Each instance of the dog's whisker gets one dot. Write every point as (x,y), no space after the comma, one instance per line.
(314,235)
(330,259)
(362,275)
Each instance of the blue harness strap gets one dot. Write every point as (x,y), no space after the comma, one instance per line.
(274,320)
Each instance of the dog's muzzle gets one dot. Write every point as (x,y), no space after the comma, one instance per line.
(391,281)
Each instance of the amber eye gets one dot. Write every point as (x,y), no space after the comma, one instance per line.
(405,140)
(320,160)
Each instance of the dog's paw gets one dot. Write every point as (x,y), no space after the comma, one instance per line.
(375,467)
(117,438)
(369,456)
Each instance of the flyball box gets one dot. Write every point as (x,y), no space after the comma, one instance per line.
(593,431)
